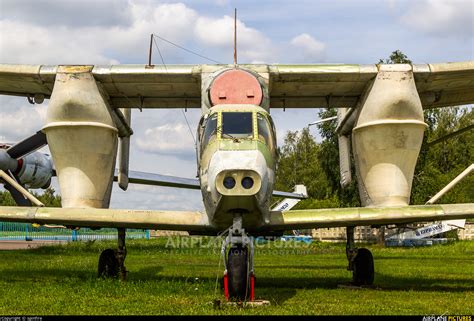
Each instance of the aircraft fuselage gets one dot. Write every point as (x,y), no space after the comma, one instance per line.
(237,152)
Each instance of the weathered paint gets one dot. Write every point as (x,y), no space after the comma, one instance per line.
(91,217)
(237,158)
(369,216)
(235,86)
(199,223)
(387,138)
(288,86)
(82,138)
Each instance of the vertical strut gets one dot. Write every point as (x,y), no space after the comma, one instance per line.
(150,52)
(351,250)
(122,253)
(235,36)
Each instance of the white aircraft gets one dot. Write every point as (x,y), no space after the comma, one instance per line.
(88,120)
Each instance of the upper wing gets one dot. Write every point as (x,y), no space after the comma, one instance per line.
(291,86)
(438,85)
(364,216)
(128,86)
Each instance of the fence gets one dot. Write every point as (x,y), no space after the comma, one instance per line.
(28,232)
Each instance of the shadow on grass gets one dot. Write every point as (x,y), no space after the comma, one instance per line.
(147,273)
(394,283)
(303,267)
(144,274)
(152,272)
(276,289)
(45,273)
(409,257)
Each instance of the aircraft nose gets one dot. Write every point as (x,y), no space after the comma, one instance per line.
(238,182)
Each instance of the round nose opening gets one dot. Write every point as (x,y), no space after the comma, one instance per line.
(247,182)
(229,182)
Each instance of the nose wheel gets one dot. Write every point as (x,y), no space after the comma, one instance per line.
(239,277)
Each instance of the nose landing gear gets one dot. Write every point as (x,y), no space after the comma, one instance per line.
(239,277)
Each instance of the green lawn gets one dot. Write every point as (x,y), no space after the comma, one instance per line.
(303,280)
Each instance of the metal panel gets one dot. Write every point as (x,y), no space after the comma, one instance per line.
(92,217)
(298,219)
(291,86)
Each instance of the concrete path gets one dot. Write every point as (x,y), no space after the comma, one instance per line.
(25,245)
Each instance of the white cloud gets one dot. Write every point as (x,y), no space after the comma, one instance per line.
(311,49)
(174,139)
(73,13)
(94,41)
(159,198)
(19,119)
(222,3)
(441,17)
(252,45)
(25,43)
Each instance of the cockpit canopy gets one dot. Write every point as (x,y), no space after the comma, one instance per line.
(238,126)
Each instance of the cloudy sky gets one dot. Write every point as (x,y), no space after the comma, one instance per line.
(277,31)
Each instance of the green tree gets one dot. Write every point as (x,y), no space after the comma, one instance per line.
(303,161)
(6,199)
(396,57)
(49,198)
(299,164)
(329,159)
(439,163)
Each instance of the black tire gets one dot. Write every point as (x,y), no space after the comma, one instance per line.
(237,273)
(363,273)
(108,264)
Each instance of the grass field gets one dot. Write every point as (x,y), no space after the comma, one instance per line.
(296,278)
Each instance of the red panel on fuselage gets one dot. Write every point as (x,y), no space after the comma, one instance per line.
(236,87)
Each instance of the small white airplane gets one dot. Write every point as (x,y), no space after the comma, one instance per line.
(88,120)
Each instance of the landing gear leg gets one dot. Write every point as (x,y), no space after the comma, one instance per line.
(122,253)
(361,261)
(111,263)
(239,277)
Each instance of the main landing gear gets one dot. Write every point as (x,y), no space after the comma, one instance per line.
(239,277)
(361,262)
(112,262)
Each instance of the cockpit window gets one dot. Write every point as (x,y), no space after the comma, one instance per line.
(210,130)
(237,125)
(264,131)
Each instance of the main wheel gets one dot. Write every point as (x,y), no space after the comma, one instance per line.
(237,273)
(363,273)
(108,264)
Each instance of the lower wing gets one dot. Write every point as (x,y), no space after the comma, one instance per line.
(365,216)
(193,221)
